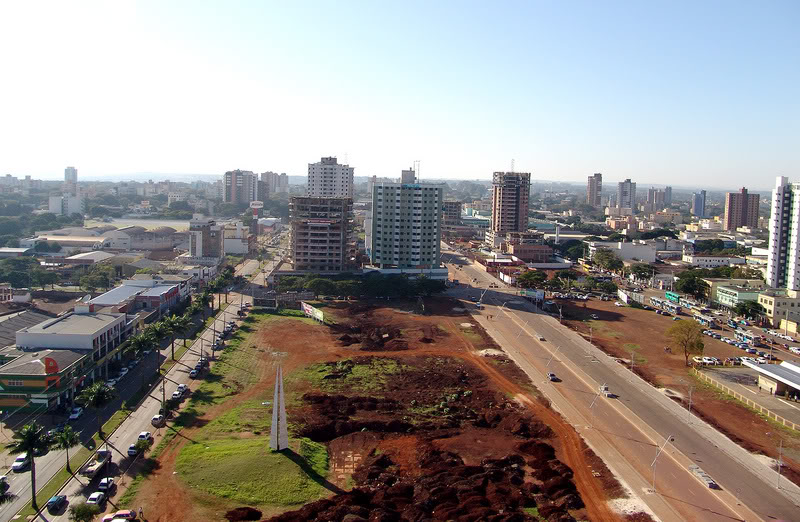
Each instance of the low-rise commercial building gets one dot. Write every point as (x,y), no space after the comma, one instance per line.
(779,305)
(630,250)
(708,261)
(40,380)
(729,296)
(756,285)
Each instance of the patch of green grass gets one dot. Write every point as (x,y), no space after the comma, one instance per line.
(601,328)
(246,470)
(350,374)
(532,512)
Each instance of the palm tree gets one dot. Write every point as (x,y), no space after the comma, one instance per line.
(182,325)
(30,440)
(96,396)
(65,440)
(169,325)
(140,342)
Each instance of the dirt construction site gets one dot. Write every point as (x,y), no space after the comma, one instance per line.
(637,338)
(393,415)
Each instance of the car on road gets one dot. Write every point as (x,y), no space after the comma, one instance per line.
(761,360)
(132,451)
(157,421)
(617,303)
(193,374)
(21,463)
(183,388)
(123,372)
(97,498)
(56,430)
(552,377)
(540,337)
(133,363)
(55,503)
(146,352)
(106,484)
(176,395)
(794,349)
(76,413)
(594,316)
(145,435)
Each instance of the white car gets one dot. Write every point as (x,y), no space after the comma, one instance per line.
(708,360)
(145,435)
(106,484)
(176,395)
(761,360)
(20,463)
(76,413)
(617,303)
(794,349)
(96,498)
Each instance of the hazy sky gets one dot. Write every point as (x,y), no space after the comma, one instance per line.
(688,93)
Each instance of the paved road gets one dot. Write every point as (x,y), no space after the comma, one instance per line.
(736,471)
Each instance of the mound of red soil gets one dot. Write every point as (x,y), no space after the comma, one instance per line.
(495,490)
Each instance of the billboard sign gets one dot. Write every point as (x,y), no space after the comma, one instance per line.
(310,311)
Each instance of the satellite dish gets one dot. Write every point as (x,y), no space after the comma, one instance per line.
(87,298)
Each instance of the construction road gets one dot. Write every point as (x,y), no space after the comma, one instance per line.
(627,431)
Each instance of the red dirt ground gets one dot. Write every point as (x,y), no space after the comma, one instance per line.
(386,444)
(617,327)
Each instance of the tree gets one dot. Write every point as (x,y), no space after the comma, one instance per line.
(321,286)
(96,397)
(532,279)
(30,440)
(142,445)
(182,324)
(607,259)
(691,282)
(607,287)
(687,335)
(428,287)
(83,512)
(642,271)
(65,440)
(749,309)
(168,325)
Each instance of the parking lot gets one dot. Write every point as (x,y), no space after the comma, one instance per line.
(745,381)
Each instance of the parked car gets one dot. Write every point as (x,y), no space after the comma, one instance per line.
(761,360)
(157,421)
(55,431)
(193,374)
(76,413)
(176,395)
(133,363)
(617,303)
(697,359)
(594,316)
(145,435)
(123,372)
(55,503)
(132,451)
(21,463)
(183,388)
(97,498)
(125,514)
(552,377)
(106,484)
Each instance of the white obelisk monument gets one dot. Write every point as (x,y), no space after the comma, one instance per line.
(279,436)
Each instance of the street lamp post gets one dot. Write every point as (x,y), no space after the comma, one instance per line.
(653,465)
(552,356)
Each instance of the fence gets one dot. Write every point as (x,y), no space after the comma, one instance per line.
(738,396)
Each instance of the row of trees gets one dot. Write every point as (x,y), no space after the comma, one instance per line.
(373,285)
(563,280)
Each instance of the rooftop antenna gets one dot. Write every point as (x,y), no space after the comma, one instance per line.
(512,165)
(345,159)
(416,168)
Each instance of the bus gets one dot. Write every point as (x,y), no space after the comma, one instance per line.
(688,303)
(665,305)
(706,320)
(672,296)
(746,336)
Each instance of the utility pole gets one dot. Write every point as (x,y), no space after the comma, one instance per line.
(591,407)
(653,465)
(780,463)
(552,356)
(689,407)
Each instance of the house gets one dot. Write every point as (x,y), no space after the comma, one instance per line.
(709,261)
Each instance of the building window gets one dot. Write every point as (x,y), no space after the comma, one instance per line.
(16,382)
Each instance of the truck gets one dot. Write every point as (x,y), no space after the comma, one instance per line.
(96,463)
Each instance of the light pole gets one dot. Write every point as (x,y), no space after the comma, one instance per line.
(552,356)
(653,465)
(591,407)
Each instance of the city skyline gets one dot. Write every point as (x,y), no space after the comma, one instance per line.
(642,92)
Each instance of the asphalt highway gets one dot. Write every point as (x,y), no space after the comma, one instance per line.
(634,423)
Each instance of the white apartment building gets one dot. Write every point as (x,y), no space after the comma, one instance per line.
(328,179)
(627,251)
(65,205)
(406,225)
(706,261)
(783,257)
